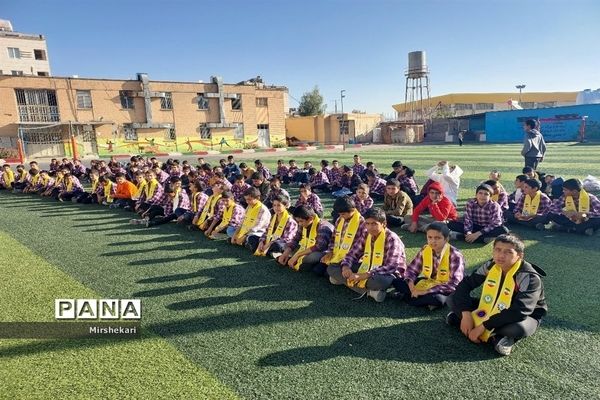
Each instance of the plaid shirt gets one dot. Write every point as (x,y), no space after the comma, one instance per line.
(292,171)
(201,199)
(377,186)
(313,201)
(162,177)
(274,193)
(78,169)
(166,202)
(76,186)
(283,171)
(236,217)
(359,232)
(543,209)
(358,169)
(409,182)
(104,171)
(238,192)
(349,182)
(264,171)
(362,205)
(324,236)
(318,179)
(503,200)
(40,185)
(394,259)
(203,179)
(288,234)
(335,175)
(457,271)
(156,197)
(559,204)
(489,215)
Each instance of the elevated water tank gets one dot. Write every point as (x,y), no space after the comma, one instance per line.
(5,25)
(417,64)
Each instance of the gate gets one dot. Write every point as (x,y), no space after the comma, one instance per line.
(44,141)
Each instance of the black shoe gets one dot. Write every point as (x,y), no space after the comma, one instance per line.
(452,319)
(396,295)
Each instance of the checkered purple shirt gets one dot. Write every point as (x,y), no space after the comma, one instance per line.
(543,209)
(489,215)
(201,199)
(350,183)
(167,202)
(288,234)
(409,182)
(264,171)
(503,200)
(324,236)
(156,197)
(559,204)
(282,171)
(377,186)
(236,217)
(238,192)
(292,171)
(358,169)
(76,187)
(335,175)
(78,169)
(457,271)
(362,205)
(394,259)
(313,201)
(320,178)
(274,193)
(359,232)
(162,177)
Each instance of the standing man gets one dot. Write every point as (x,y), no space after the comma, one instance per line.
(534,146)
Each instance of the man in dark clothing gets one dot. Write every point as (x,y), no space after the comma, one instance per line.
(534,146)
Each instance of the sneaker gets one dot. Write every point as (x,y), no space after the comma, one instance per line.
(335,282)
(452,319)
(377,295)
(540,227)
(277,255)
(134,221)
(488,240)
(146,222)
(504,346)
(589,232)
(405,227)
(457,236)
(396,294)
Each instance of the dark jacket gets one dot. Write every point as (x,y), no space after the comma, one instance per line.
(528,298)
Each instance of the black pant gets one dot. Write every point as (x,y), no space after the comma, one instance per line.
(394,220)
(167,218)
(252,242)
(88,198)
(538,219)
(122,203)
(69,196)
(430,299)
(532,162)
(155,211)
(458,226)
(565,222)
(376,196)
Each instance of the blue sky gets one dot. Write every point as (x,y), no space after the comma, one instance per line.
(359,46)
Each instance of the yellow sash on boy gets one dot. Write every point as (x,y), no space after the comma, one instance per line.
(45,181)
(209,209)
(274,233)
(227,214)
(151,188)
(308,240)
(35,179)
(22,176)
(141,188)
(443,273)
(372,258)
(107,191)
(490,303)
(58,181)
(8,177)
(249,219)
(195,202)
(584,202)
(69,186)
(530,206)
(342,246)
(495,197)
(94,185)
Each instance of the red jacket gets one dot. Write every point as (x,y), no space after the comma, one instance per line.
(441,211)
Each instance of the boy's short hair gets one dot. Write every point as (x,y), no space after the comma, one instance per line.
(175,179)
(312,171)
(197,185)
(408,171)
(304,212)
(344,204)
(305,186)
(375,213)
(397,164)
(370,163)
(530,123)
(227,195)
(393,182)
(364,187)
(229,157)
(243,165)
(527,170)
(346,168)
(369,174)
(534,183)
(324,163)
(491,182)
(573,184)
(439,227)
(119,175)
(485,187)
(513,239)
(283,199)
(252,192)
(522,178)
(239,177)
(257,175)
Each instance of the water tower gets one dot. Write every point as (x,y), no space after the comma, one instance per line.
(417,108)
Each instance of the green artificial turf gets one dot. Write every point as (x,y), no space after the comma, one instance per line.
(267,332)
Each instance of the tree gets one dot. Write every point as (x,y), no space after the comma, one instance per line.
(311,103)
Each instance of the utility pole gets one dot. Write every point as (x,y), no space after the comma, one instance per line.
(341,121)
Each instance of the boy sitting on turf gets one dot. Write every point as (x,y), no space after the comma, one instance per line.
(483,219)
(20,178)
(499,195)
(347,183)
(238,189)
(396,204)
(439,206)
(375,259)
(283,172)
(228,217)
(72,188)
(533,207)
(309,244)
(197,201)
(310,199)
(56,185)
(205,219)
(260,183)
(151,195)
(376,185)
(7,179)
(282,230)
(91,197)
(255,223)
(275,191)
(576,210)
(362,199)
(175,203)
(435,271)
(108,190)
(515,196)
(318,180)
(125,193)
(32,180)
(512,301)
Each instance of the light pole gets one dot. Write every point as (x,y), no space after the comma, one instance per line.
(520,87)
(342,122)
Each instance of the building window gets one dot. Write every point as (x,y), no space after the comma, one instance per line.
(462,106)
(236,104)
(484,106)
(126,99)
(129,133)
(166,103)
(37,105)
(205,133)
(14,52)
(170,134)
(261,102)
(39,54)
(17,73)
(84,99)
(262,126)
(42,73)
(202,102)
(238,133)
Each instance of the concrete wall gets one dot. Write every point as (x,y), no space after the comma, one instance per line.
(27,63)
(325,129)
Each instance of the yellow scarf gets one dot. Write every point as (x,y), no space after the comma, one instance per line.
(372,258)
(341,246)
(443,272)
(227,214)
(308,240)
(495,197)
(151,188)
(35,179)
(107,192)
(274,233)
(584,202)
(94,185)
(195,202)
(209,209)
(8,178)
(249,219)
(490,303)
(22,176)
(141,188)
(530,206)
(69,186)
(58,181)
(45,181)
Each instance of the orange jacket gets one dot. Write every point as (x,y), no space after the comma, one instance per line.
(125,190)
